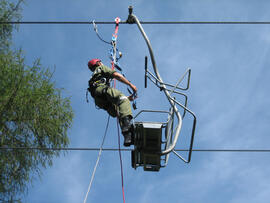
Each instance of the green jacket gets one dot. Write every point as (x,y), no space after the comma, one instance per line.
(98,76)
(102,72)
(109,99)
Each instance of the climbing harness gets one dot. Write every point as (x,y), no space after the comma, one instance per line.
(93,84)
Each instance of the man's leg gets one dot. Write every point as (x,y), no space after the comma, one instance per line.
(125,114)
(102,102)
(127,130)
(105,105)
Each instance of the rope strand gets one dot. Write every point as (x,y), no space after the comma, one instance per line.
(113,62)
(95,168)
(121,165)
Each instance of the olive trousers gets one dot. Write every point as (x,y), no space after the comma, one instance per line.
(113,101)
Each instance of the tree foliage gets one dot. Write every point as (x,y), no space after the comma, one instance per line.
(32,114)
(8,12)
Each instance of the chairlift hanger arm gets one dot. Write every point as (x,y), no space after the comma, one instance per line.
(133,19)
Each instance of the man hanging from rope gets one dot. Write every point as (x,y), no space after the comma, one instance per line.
(111,99)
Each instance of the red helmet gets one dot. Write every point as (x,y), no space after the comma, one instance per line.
(93,63)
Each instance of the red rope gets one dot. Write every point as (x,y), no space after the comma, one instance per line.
(117,21)
(122,176)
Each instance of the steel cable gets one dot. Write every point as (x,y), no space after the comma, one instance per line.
(145,22)
(7,148)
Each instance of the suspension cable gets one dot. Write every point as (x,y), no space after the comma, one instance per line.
(6,148)
(99,154)
(144,22)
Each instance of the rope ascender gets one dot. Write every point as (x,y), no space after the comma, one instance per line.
(114,50)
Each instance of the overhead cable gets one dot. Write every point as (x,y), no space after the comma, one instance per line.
(142,22)
(129,149)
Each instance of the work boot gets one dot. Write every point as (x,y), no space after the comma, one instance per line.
(127,139)
(127,130)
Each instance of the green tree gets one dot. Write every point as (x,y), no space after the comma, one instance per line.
(33,114)
(8,12)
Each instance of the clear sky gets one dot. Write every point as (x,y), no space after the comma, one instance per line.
(229,94)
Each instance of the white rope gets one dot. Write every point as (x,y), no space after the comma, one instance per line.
(95,168)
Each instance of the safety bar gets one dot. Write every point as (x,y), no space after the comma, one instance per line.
(169,134)
(151,111)
(192,134)
(175,87)
(188,71)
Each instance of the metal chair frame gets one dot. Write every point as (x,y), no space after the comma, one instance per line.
(171,134)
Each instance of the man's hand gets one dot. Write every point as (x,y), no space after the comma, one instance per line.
(131,98)
(122,79)
(133,87)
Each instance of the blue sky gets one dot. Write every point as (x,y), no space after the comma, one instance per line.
(229,95)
